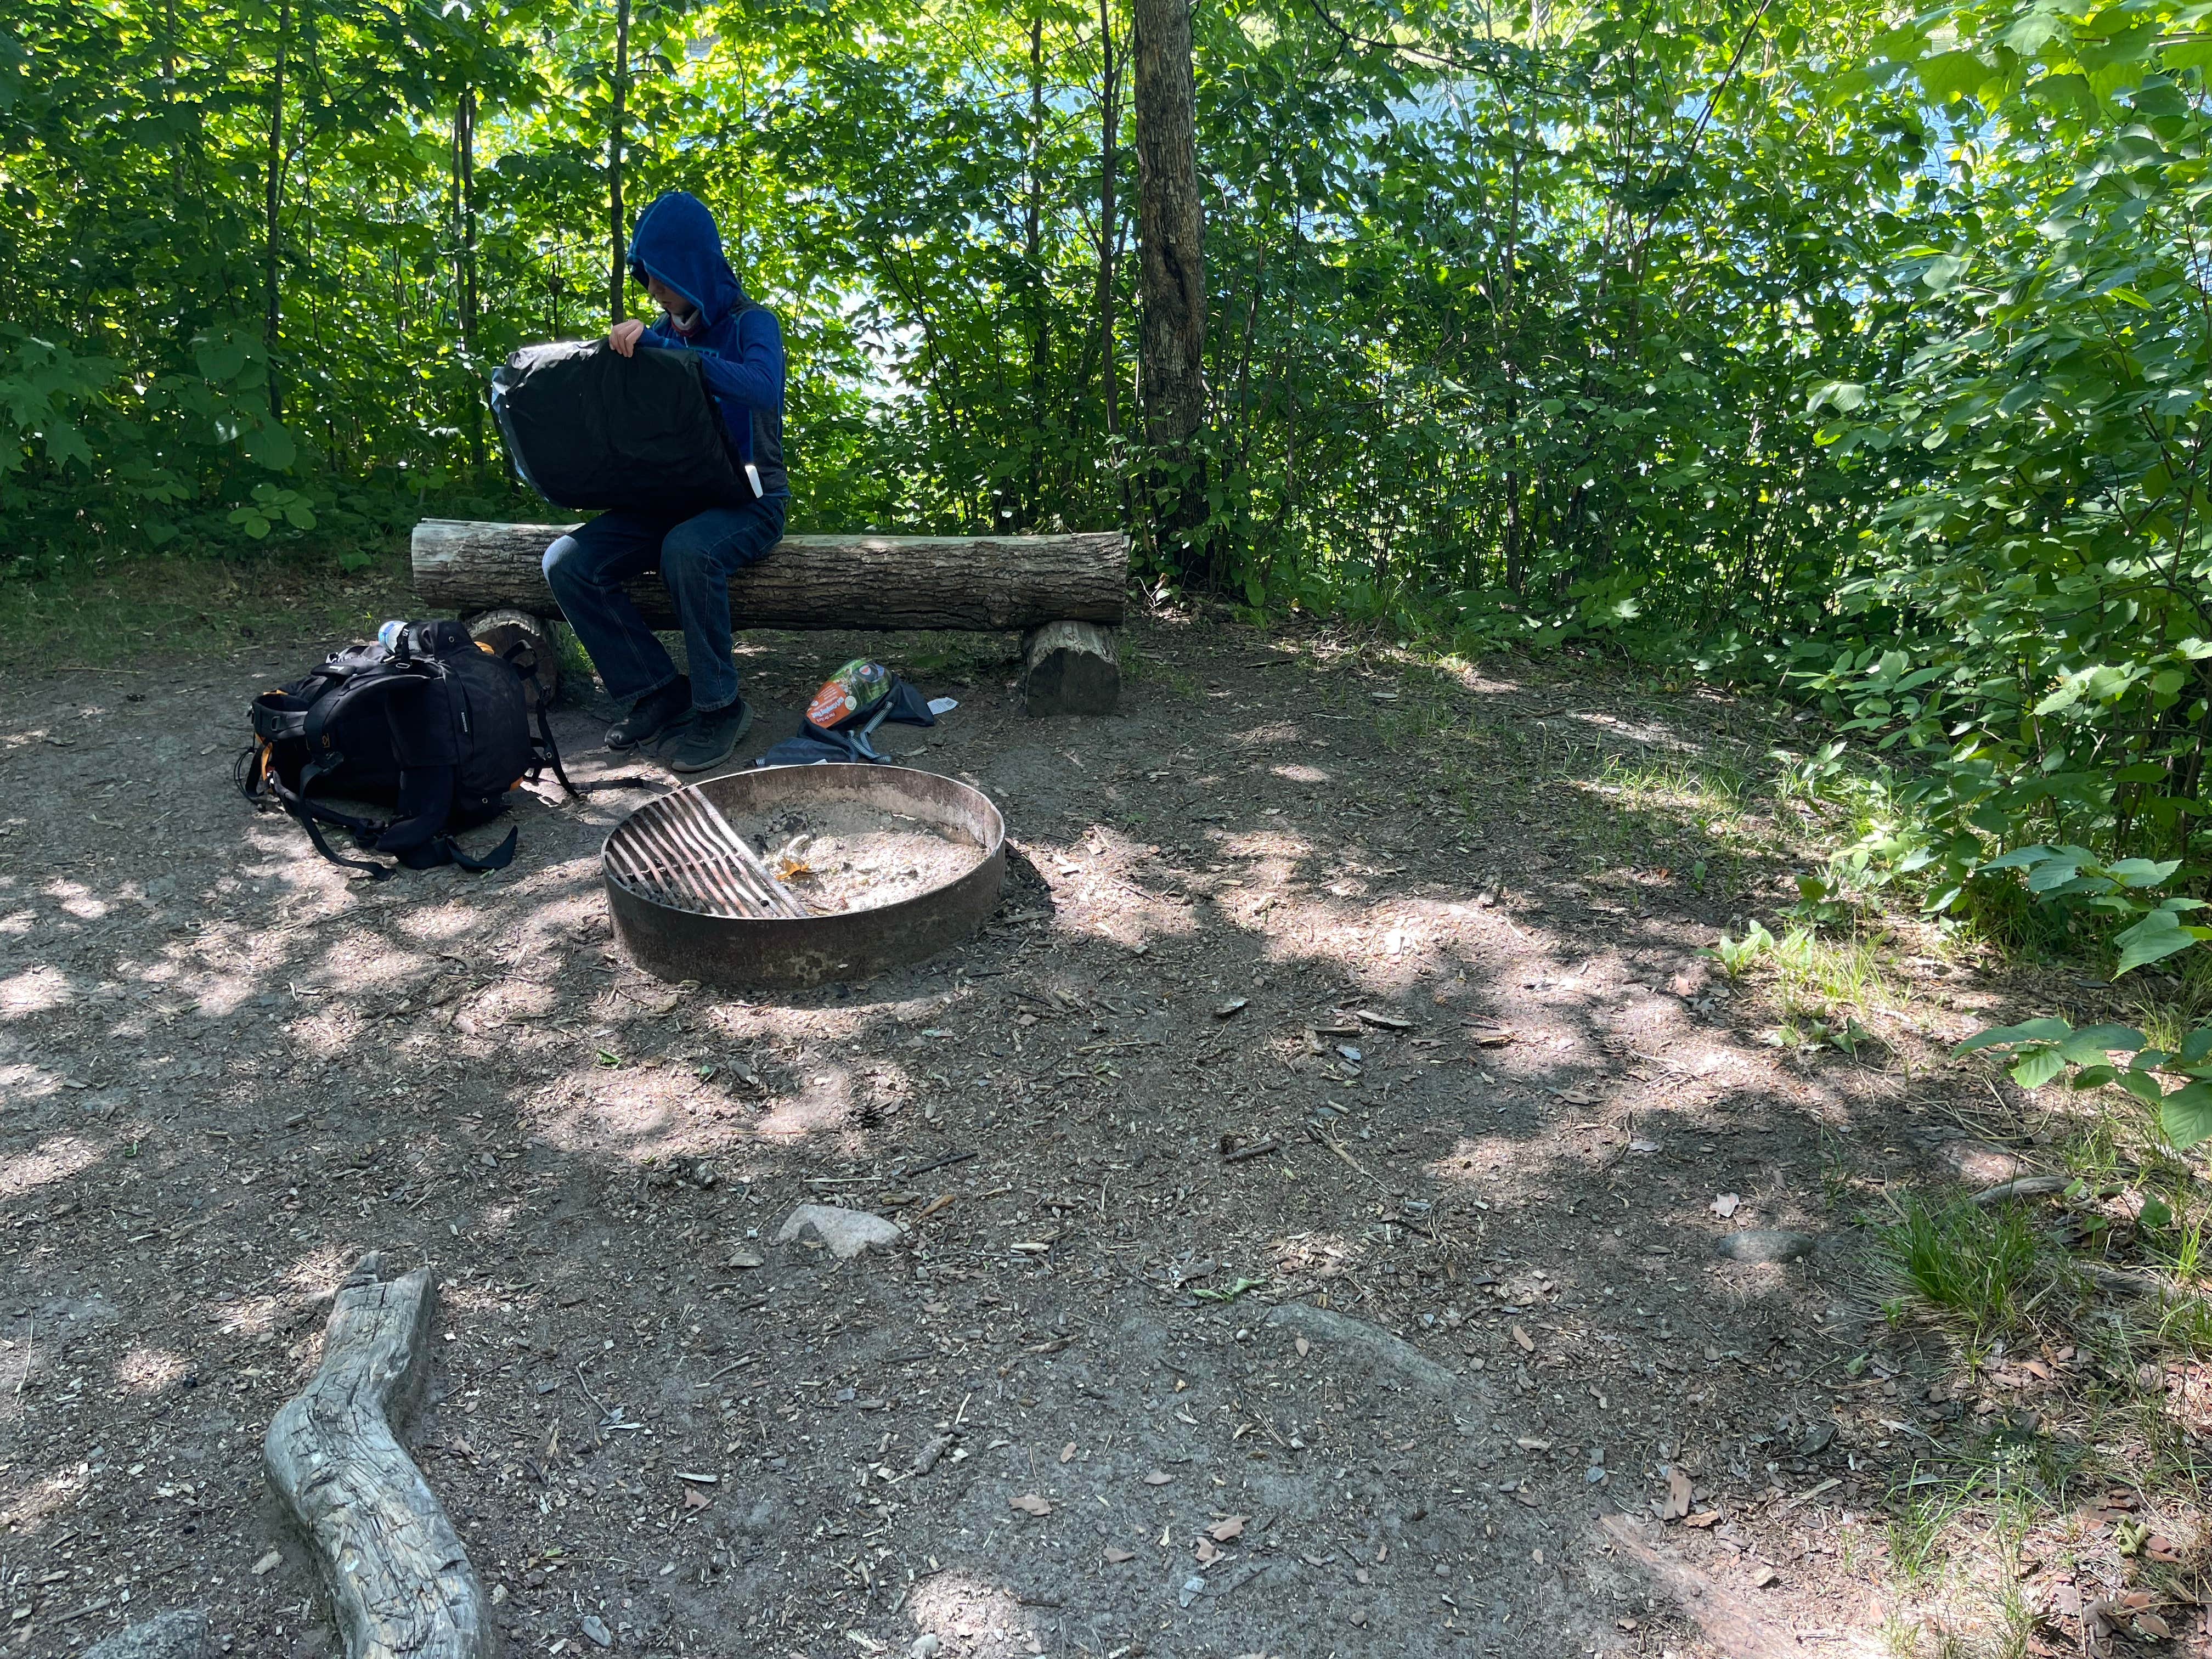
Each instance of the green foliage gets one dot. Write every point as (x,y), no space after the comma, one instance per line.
(1963,1263)
(2176,1084)
(2022,624)
(1867,356)
(1736,955)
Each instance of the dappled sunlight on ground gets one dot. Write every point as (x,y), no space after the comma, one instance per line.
(970,1610)
(1348,1031)
(52,1160)
(34,991)
(150,1370)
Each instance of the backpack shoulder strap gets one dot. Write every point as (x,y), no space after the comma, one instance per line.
(549,755)
(311,816)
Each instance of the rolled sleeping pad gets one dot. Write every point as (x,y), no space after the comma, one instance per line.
(587,428)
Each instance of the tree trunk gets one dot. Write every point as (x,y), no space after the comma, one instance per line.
(1110,122)
(275,194)
(1033,248)
(1171,236)
(615,240)
(465,146)
(979,583)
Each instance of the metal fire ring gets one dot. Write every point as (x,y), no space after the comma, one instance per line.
(767,952)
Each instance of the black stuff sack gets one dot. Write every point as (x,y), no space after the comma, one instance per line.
(588,428)
(431,724)
(851,704)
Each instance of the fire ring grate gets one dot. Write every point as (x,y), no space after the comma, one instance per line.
(691,899)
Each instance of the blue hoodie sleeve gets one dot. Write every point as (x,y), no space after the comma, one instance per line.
(754,377)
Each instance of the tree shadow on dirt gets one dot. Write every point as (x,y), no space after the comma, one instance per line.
(1500,1133)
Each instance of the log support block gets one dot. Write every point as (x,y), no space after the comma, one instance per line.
(398,1580)
(1071,668)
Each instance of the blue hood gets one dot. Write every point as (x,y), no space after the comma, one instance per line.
(676,242)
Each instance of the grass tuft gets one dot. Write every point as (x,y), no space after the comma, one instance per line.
(1978,1268)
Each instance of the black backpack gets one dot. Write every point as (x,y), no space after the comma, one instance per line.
(435,724)
(587,427)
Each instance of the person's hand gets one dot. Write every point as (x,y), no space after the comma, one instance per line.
(623,336)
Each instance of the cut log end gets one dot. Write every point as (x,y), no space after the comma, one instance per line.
(507,629)
(1071,668)
(398,1579)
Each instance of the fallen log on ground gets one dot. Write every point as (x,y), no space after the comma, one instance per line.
(1066,592)
(398,1580)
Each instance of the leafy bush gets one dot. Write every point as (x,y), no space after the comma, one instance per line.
(2176,1084)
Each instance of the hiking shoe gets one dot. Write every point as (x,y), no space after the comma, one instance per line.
(712,737)
(652,714)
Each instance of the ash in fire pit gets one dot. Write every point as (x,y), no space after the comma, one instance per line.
(847,856)
(789,876)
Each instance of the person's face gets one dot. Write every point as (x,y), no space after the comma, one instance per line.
(666,297)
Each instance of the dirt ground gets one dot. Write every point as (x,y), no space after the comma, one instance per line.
(1312,1175)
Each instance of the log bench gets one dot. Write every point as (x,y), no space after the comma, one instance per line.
(1064,593)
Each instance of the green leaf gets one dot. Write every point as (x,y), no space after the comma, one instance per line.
(2050,1030)
(268,445)
(2157,936)
(2186,1114)
(2142,873)
(2037,1066)
(2195,54)
(2050,874)
(1950,75)
(2027,34)
(64,443)
(218,363)
(2142,1086)
(2019,858)
(2089,1046)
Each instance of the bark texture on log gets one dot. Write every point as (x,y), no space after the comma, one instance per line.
(973,582)
(398,1580)
(1071,668)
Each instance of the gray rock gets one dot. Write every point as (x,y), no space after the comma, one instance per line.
(1365,1344)
(926,1645)
(1763,1245)
(846,1232)
(179,1635)
(595,1628)
(1193,1587)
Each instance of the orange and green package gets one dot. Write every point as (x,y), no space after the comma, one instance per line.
(853,690)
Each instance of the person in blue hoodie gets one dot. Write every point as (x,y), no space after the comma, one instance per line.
(676,254)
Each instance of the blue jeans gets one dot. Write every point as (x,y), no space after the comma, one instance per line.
(695,557)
